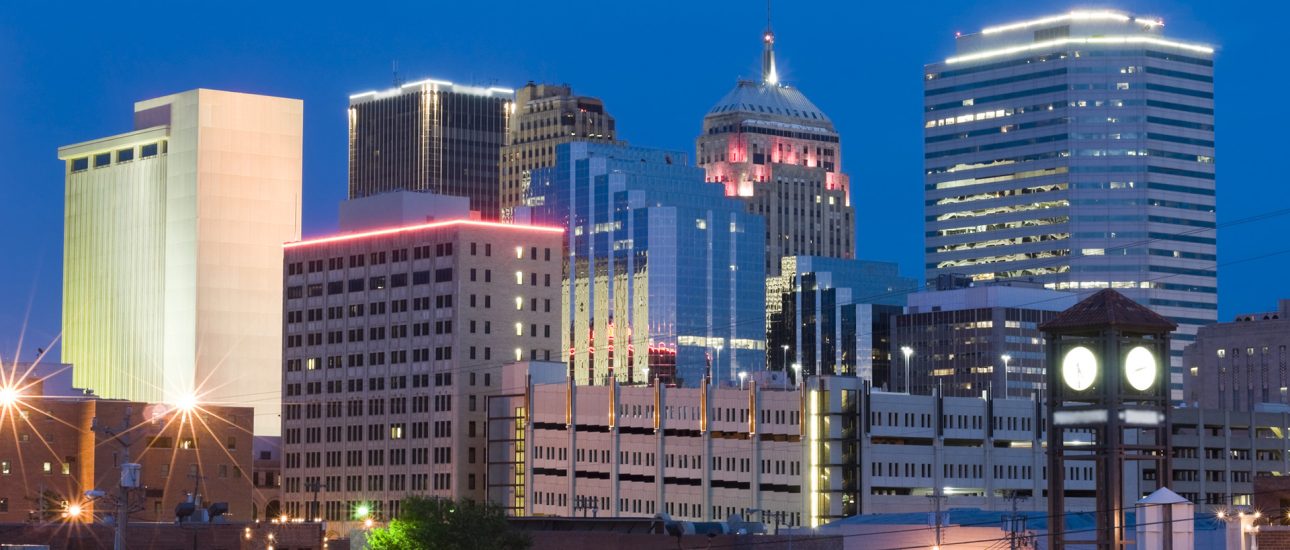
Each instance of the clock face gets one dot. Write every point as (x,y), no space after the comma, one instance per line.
(1140,368)
(1079,368)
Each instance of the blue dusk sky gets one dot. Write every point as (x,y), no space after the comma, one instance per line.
(70,73)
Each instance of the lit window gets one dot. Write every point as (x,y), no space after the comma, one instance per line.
(519,252)
(519,354)
(5,468)
(519,277)
(47,467)
(519,330)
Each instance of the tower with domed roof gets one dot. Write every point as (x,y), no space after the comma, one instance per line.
(767,144)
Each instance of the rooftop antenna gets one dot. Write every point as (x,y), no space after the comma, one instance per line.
(768,73)
(394,67)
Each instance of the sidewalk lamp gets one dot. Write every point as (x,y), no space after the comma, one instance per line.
(907,351)
(1006,358)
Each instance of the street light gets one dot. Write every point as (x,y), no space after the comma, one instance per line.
(785,363)
(742,376)
(186,402)
(907,351)
(1005,358)
(9,396)
(797,370)
(716,368)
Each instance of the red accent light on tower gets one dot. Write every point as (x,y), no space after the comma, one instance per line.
(418,227)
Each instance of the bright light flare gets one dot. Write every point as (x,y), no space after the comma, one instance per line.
(9,396)
(186,403)
(362,511)
(367,523)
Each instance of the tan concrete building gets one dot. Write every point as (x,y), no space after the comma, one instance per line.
(393,337)
(54,449)
(546,115)
(767,144)
(173,250)
(1241,365)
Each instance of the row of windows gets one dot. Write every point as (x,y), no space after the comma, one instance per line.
(1059,56)
(102,160)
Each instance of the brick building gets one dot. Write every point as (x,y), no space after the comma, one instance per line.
(53,450)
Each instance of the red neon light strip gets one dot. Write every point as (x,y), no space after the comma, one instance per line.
(393,230)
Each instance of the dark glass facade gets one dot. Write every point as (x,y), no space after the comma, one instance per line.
(430,136)
(831,316)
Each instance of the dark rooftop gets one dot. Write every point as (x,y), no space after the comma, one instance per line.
(1108,308)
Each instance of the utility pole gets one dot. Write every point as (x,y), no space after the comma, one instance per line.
(1015,522)
(315,486)
(936,513)
(129,476)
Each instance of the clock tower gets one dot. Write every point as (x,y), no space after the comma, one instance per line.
(1108,407)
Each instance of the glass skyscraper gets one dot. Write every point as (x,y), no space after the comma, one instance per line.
(830,316)
(664,277)
(1077,150)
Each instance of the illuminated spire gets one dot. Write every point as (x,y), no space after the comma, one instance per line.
(768,74)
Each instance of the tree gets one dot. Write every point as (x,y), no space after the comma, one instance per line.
(435,524)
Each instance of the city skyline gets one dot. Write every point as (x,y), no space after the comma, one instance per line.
(883,147)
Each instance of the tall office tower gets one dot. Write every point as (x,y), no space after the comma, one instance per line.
(393,338)
(1077,150)
(668,269)
(172,252)
(546,115)
(831,316)
(431,136)
(767,144)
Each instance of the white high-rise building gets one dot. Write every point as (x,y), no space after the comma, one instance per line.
(1077,150)
(172,272)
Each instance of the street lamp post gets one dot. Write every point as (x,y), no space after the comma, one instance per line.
(907,351)
(742,376)
(797,373)
(716,369)
(1006,358)
(785,362)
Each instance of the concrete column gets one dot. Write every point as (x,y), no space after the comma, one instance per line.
(572,462)
(660,449)
(615,462)
(706,443)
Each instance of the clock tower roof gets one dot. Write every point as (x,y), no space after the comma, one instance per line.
(1109,309)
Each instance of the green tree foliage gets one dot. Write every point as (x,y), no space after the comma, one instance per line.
(441,524)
